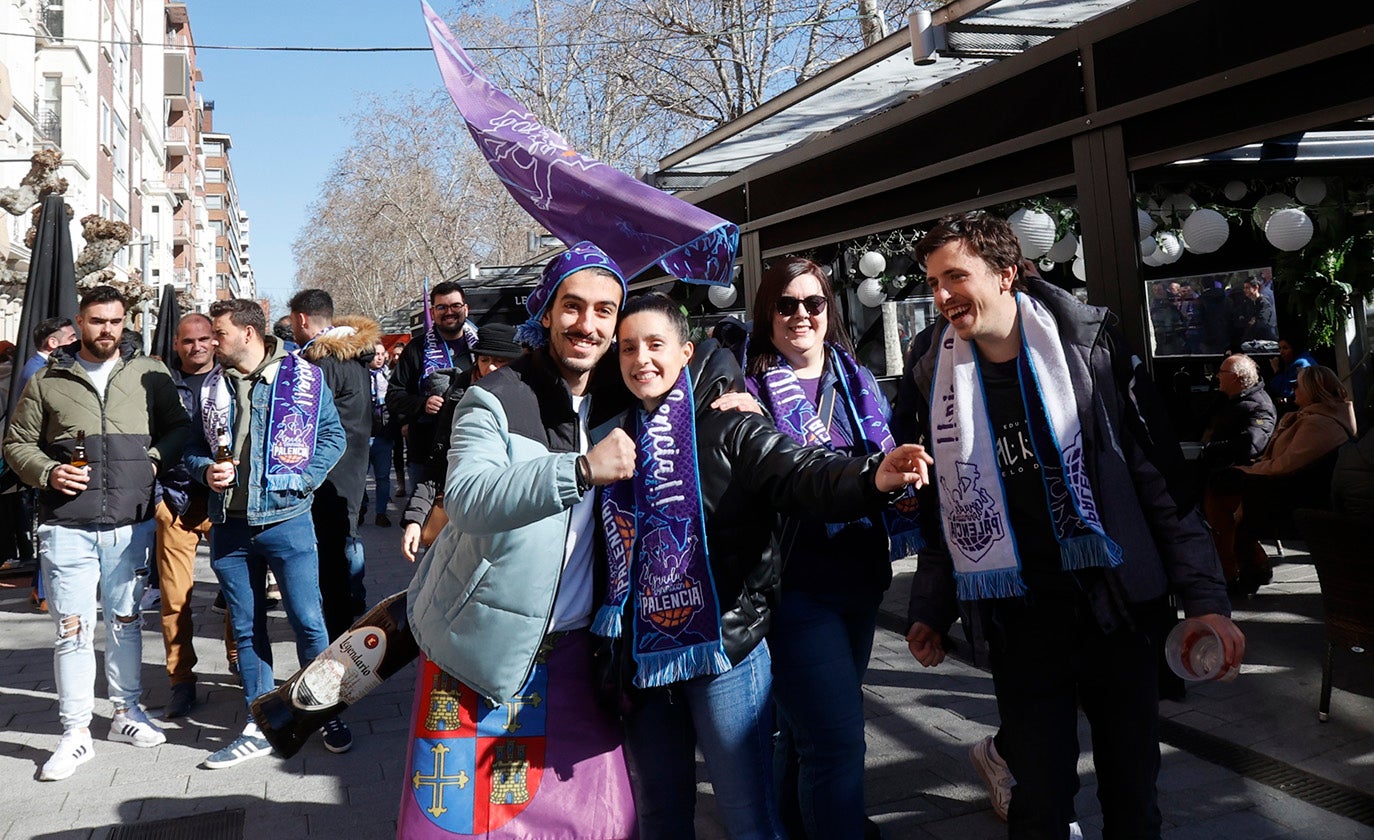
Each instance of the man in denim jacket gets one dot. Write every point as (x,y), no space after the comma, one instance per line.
(260,500)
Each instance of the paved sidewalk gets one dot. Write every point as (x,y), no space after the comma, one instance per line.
(921,722)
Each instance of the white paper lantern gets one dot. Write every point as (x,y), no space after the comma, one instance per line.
(1235,190)
(1153,260)
(1178,205)
(1080,271)
(872,263)
(871,292)
(1170,247)
(1147,247)
(1310,190)
(1205,231)
(1064,249)
(1289,229)
(1145,222)
(1035,230)
(1265,207)
(722,297)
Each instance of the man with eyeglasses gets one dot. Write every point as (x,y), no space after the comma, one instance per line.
(1240,425)
(418,383)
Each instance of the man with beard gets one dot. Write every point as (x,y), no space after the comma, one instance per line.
(120,414)
(427,365)
(275,415)
(501,605)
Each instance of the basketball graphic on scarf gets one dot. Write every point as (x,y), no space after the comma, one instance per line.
(670,618)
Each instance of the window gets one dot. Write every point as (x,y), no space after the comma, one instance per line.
(105,123)
(219,253)
(213,148)
(214,176)
(214,202)
(119,150)
(50,109)
(119,57)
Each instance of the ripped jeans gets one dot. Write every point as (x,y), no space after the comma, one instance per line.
(75,563)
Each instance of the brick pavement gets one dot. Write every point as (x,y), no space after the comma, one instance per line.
(920,784)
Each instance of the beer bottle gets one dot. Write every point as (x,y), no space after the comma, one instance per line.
(378,645)
(79,453)
(222,452)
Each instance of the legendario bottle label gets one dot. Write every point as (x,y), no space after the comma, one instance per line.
(345,672)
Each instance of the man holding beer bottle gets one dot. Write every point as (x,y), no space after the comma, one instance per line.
(96,524)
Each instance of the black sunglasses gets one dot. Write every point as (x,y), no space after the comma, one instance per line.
(787,306)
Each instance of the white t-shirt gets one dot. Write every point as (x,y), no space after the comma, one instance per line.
(572,608)
(99,372)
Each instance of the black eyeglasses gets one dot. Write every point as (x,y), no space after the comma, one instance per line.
(447,307)
(787,306)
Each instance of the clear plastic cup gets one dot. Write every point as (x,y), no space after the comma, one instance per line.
(1195,652)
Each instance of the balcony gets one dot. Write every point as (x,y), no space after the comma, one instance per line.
(181,231)
(176,65)
(179,140)
(180,183)
(181,278)
(52,20)
(48,129)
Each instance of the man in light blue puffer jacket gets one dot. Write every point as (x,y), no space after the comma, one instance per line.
(501,604)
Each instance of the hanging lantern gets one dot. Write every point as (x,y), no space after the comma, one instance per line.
(872,264)
(1235,190)
(871,292)
(1289,229)
(1145,222)
(1034,229)
(1080,271)
(1178,205)
(1310,190)
(1205,231)
(722,297)
(1170,247)
(1148,247)
(1064,249)
(1153,260)
(1265,207)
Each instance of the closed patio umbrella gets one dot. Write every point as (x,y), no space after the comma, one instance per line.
(165,337)
(51,288)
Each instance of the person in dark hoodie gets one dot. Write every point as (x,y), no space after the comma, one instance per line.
(342,348)
(693,571)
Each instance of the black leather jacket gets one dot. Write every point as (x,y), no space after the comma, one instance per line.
(749,473)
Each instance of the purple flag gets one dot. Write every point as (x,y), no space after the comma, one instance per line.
(575,197)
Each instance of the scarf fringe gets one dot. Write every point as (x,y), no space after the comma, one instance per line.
(607,623)
(905,543)
(995,583)
(682,664)
(1088,552)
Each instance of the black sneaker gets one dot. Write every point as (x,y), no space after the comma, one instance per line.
(337,738)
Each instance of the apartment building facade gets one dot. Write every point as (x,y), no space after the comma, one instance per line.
(113,85)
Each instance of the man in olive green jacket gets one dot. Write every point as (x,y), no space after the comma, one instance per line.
(96,526)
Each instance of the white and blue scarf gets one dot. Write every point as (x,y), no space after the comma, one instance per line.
(973,501)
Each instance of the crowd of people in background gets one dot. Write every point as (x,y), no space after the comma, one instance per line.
(675,543)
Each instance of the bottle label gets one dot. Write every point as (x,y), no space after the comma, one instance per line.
(344,673)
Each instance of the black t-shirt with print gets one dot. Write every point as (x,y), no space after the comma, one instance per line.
(1027,502)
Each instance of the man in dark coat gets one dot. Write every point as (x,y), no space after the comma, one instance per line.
(1240,426)
(343,349)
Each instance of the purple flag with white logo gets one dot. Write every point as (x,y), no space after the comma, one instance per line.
(575,197)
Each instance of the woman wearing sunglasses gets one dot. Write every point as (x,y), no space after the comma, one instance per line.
(800,366)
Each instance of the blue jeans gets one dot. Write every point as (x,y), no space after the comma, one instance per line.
(820,644)
(240,555)
(730,717)
(74,562)
(379,459)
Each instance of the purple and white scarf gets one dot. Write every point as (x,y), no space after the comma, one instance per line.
(438,354)
(656,539)
(973,500)
(292,418)
(796,417)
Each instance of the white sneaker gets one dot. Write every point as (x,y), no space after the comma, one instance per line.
(996,775)
(1075,833)
(132,726)
(72,751)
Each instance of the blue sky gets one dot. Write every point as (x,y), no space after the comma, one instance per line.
(289,113)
